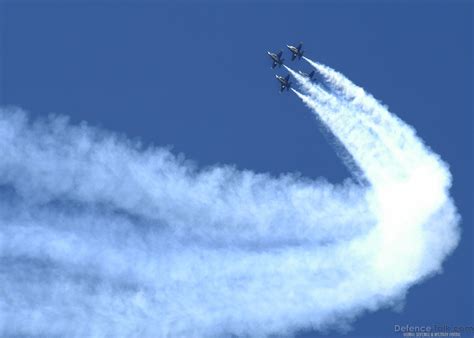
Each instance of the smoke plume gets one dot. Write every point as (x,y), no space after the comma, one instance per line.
(100,236)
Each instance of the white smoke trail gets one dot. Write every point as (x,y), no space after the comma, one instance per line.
(401,169)
(99,236)
(348,93)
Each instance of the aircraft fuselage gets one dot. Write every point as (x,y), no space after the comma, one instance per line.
(273,56)
(293,49)
(282,80)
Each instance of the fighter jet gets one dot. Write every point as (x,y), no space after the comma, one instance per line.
(308,76)
(296,51)
(276,58)
(284,82)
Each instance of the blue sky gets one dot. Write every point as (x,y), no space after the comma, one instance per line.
(196,77)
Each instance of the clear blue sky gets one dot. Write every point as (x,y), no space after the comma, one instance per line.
(196,76)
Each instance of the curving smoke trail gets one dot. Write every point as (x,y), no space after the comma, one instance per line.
(409,182)
(101,237)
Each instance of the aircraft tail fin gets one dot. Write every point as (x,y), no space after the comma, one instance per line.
(310,75)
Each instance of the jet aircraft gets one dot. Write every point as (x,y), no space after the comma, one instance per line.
(276,58)
(296,51)
(284,82)
(308,76)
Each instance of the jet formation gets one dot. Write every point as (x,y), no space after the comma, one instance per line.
(277,60)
